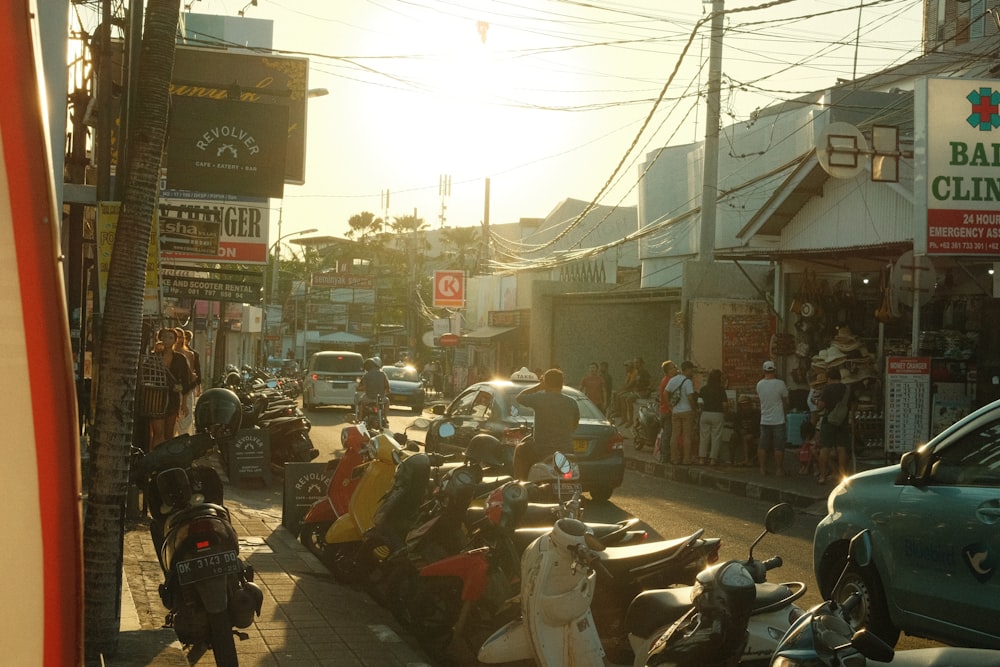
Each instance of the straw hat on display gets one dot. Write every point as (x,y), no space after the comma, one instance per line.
(845,340)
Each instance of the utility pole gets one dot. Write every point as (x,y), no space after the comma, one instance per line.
(485,258)
(710,177)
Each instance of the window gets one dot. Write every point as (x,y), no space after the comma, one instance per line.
(974,460)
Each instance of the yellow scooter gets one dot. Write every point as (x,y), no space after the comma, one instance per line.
(345,536)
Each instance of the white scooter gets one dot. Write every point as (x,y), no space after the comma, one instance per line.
(557,586)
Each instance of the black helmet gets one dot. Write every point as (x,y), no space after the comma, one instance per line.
(485,449)
(218,413)
(370,364)
(233,379)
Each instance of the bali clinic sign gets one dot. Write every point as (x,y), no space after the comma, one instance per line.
(957,205)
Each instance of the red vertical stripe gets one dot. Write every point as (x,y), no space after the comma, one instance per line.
(44,311)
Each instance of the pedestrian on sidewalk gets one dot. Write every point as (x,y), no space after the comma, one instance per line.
(666,411)
(592,385)
(834,426)
(773,394)
(683,398)
(714,406)
(606,376)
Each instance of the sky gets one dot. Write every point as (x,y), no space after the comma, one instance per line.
(548,99)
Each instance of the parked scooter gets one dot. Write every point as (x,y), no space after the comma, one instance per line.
(347,474)
(208,588)
(657,620)
(563,571)
(824,635)
(343,540)
(646,425)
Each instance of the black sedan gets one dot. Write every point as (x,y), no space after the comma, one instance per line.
(490,407)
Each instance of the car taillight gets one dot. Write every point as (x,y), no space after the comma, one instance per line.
(314,376)
(617,443)
(713,556)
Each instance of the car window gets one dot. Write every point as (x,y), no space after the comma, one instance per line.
(587,408)
(462,405)
(973,460)
(336,363)
(398,373)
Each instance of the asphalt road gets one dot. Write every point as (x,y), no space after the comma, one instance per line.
(668,509)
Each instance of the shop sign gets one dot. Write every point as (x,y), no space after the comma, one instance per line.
(242,226)
(211,285)
(907,405)
(449,289)
(961,189)
(343,280)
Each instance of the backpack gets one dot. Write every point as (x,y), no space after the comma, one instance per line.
(838,416)
(677,394)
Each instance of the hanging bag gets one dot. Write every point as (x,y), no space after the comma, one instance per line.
(838,416)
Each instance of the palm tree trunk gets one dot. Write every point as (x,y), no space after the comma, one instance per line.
(118,350)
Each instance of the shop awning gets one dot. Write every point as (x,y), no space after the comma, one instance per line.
(486,333)
(342,337)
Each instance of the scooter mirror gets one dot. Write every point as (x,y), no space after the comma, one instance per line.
(446,430)
(779,518)
(420,423)
(561,463)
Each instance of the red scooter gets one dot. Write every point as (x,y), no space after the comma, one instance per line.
(354,438)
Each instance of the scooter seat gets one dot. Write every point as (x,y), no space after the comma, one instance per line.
(525,536)
(535,514)
(647,558)
(650,611)
(201,511)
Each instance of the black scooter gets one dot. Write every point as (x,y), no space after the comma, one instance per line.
(208,589)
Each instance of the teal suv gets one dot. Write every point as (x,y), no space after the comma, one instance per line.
(935,521)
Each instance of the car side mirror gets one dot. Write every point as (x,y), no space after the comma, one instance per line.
(910,469)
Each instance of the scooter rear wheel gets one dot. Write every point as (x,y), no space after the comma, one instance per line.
(222,640)
(313,537)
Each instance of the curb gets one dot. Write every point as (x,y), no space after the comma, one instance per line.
(721,481)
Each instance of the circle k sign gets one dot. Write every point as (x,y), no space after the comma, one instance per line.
(449,289)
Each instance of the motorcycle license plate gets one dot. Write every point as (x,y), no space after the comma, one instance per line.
(567,489)
(581,446)
(204,567)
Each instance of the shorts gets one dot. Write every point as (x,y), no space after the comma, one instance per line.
(834,435)
(772,436)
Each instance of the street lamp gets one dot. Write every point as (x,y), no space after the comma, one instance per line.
(276,247)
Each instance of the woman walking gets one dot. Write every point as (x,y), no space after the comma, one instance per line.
(714,406)
(185,417)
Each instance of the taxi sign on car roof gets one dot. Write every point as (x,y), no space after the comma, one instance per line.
(523,375)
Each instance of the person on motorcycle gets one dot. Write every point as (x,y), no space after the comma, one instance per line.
(556,418)
(374,385)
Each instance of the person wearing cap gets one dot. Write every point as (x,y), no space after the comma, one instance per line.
(683,399)
(666,410)
(773,395)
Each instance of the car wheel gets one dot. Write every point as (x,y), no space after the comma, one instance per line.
(418,408)
(601,493)
(872,612)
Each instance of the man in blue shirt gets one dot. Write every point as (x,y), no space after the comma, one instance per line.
(556,418)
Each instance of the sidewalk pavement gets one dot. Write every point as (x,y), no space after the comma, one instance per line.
(307,617)
(801,491)
(310,619)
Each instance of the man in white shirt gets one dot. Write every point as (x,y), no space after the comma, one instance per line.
(681,393)
(773,394)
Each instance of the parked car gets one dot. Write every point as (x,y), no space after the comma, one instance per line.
(331,379)
(934,519)
(405,386)
(490,407)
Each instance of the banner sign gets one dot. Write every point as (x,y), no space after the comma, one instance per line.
(963,154)
(240,287)
(343,280)
(243,227)
(211,74)
(227,147)
(907,403)
(194,237)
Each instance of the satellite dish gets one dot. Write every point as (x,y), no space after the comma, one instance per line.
(910,270)
(841,150)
